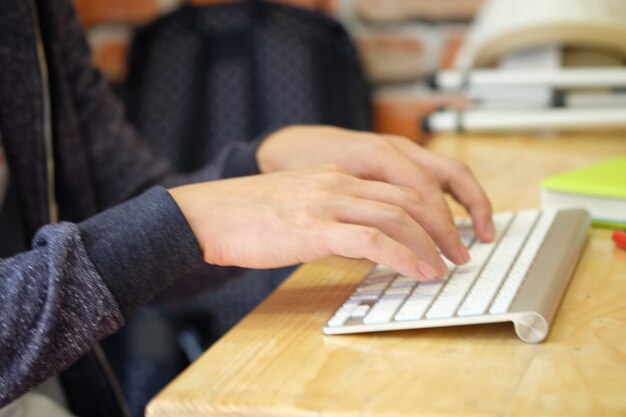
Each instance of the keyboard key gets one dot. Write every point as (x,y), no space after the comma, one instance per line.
(337,321)
(364,297)
(419,301)
(522,264)
(351,303)
(381,271)
(463,279)
(497,267)
(412,311)
(398,290)
(342,315)
(404,281)
(346,310)
(383,311)
(360,311)
(487,285)
(371,289)
(466,232)
(382,314)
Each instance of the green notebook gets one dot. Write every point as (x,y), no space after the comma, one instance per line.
(599,188)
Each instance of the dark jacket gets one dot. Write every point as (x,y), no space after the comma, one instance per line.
(66,141)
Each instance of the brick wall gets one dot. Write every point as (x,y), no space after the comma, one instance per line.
(400,42)
(109,25)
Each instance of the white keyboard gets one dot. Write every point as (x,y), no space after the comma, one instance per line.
(520,277)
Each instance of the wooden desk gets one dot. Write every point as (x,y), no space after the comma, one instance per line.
(277,362)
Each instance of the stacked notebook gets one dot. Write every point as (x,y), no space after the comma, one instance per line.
(537,65)
(599,188)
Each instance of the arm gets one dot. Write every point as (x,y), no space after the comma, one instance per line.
(64,294)
(120,164)
(78,282)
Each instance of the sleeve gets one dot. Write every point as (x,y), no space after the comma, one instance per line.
(79,281)
(121,164)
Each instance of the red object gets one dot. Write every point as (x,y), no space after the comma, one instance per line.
(619,237)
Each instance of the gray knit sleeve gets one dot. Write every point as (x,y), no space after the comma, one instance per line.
(78,282)
(53,307)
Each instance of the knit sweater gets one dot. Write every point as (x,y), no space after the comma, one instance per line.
(81,277)
(4,174)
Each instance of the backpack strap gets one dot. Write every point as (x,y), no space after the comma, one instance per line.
(216,47)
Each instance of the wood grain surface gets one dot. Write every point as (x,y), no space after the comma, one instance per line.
(276,361)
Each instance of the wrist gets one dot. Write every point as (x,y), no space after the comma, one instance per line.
(140,247)
(264,158)
(272,153)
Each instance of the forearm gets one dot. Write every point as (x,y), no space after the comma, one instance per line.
(53,307)
(78,283)
(140,247)
(236,159)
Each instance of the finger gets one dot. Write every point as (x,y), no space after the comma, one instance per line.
(456,179)
(357,241)
(459,181)
(394,222)
(465,189)
(395,168)
(437,225)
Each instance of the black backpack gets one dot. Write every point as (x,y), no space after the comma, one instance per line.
(202,77)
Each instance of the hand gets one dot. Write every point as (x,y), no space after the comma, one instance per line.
(392,159)
(297,216)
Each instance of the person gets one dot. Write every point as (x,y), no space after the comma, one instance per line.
(110,226)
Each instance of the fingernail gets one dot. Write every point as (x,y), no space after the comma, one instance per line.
(443,269)
(426,270)
(463,253)
(490,230)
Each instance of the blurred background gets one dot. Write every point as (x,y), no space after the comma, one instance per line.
(399,42)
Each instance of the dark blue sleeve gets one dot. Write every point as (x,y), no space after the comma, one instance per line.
(140,247)
(78,282)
